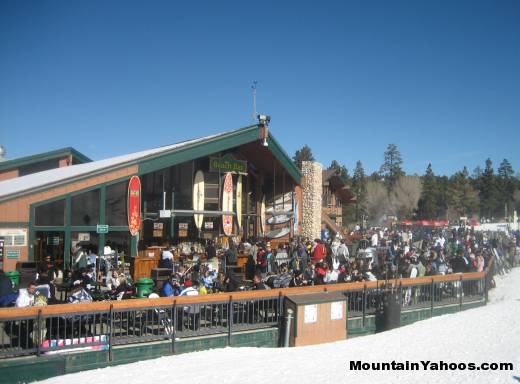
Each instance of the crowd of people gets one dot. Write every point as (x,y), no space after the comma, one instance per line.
(364,255)
(375,254)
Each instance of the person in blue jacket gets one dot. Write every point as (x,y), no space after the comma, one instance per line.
(171,287)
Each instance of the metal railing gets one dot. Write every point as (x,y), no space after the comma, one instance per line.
(30,333)
(104,325)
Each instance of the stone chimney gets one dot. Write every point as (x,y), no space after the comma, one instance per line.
(311,192)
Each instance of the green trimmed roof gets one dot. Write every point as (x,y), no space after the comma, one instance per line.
(58,153)
(147,161)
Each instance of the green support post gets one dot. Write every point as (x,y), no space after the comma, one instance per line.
(172,226)
(67,240)
(102,216)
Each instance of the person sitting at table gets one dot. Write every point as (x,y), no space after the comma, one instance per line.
(194,255)
(191,290)
(231,254)
(83,276)
(208,279)
(79,294)
(124,290)
(26,296)
(211,251)
(113,280)
(44,279)
(7,296)
(167,258)
(171,287)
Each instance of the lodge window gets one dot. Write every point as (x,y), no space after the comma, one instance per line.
(116,204)
(85,208)
(50,214)
(38,167)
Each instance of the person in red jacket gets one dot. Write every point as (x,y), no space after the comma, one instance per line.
(261,259)
(320,251)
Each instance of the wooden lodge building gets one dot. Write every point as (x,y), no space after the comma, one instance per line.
(50,211)
(335,195)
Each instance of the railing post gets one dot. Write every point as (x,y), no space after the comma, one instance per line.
(230,318)
(110,332)
(364,309)
(288,325)
(486,287)
(174,324)
(432,295)
(400,293)
(39,332)
(280,310)
(461,293)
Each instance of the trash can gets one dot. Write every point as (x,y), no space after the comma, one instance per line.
(144,287)
(388,312)
(15,277)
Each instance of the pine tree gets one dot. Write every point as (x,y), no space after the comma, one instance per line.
(391,169)
(488,192)
(462,196)
(443,184)
(340,169)
(303,154)
(427,206)
(359,189)
(507,186)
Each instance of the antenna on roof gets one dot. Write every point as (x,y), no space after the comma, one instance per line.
(253,88)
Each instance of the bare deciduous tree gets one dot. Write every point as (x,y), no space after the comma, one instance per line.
(400,202)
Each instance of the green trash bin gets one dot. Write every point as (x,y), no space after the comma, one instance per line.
(144,287)
(15,277)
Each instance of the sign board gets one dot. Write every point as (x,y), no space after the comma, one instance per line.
(310,313)
(13,254)
(183,233)
(102,228)
(158,225)
(183,226)
(157,233)
(165,213)
(16,237)
(336,310)
(208,225)
(227,163)
(134,205)
(84,236)
(53,240)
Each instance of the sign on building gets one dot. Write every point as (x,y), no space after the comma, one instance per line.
(102,228)
(227,163)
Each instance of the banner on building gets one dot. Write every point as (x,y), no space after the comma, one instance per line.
(134,205)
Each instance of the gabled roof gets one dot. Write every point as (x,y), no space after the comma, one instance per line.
(148,161)
(58,153)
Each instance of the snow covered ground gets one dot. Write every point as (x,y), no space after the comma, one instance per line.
(486,334)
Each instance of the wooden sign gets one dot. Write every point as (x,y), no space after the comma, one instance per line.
(227,163)
(134,205)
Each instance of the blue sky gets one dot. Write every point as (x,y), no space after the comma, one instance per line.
(441,79)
